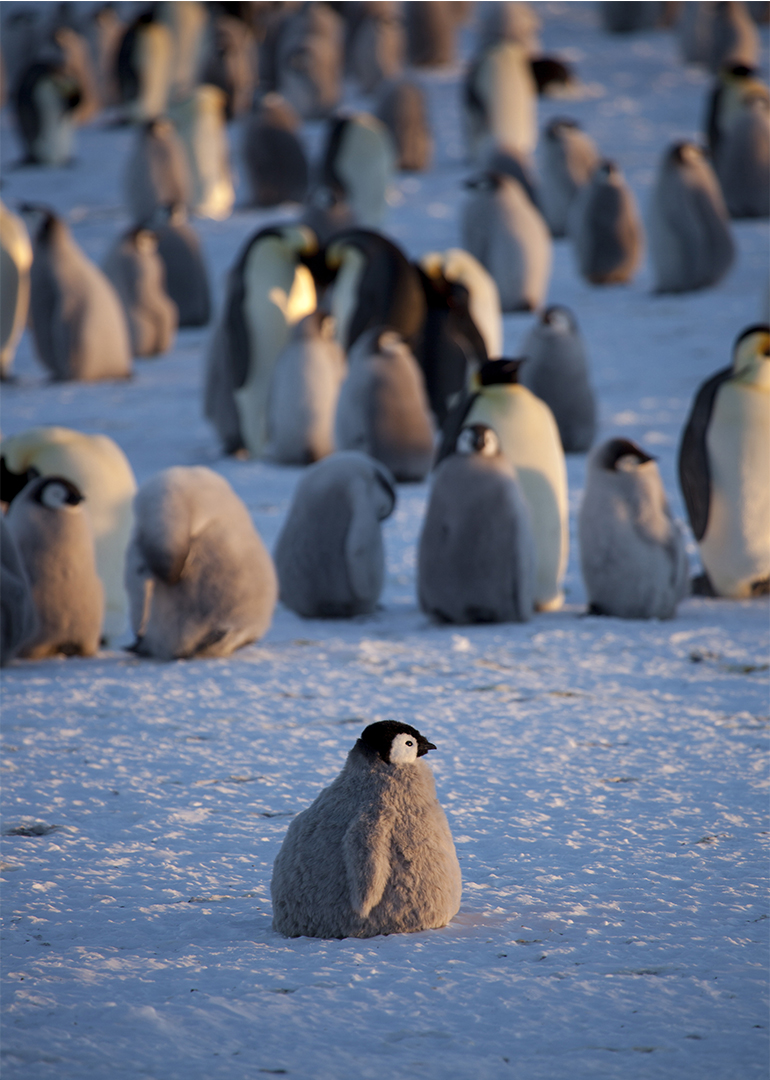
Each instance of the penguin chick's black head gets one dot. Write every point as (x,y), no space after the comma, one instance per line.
(499,372)
(615,449)
(394,742)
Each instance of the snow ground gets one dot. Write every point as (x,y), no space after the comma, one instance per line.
(605,781)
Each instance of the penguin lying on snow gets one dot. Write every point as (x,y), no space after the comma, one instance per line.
(139,277)
(373,854)
(605,229)
(199,579)
(15,263)
(631,550)
(18,618)
(568,158)
(724,471)
(476,555)
(329,555)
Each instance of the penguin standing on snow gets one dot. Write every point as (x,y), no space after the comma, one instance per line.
(275,159)
(15,263)
(187,281)
(309,59)
(376,44)
(631,550)
(158,172)
(199,579)
(402,108)
(743,165)
(329,555)
(605,229)
(18,618)
(476,555)
(373,854)
(724,471)
(46,100)
(53,536)
(568,158)
(201,124)
(358,167)
(138,274)
(501,102)
(144,68)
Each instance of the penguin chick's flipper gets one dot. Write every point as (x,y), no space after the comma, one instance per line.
(366,851)
(694,478)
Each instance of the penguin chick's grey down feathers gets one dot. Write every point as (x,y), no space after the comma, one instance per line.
(605,229)
(373,854)
(139,277)
(18,618)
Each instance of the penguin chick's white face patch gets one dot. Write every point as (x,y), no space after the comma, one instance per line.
(403,749)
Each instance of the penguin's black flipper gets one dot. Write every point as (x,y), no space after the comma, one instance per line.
(694,477)
(452,427)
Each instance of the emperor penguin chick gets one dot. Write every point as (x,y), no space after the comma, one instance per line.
(358,166)
(275,159)
(15,263)
(18,618)
(139,276)
(556,370)
(631,550)
(373,854)
(403,110)
(199,579)
(743,164)
(158,172)
(568,158)
(329,555)
(53,536)
(500,102)
(605,229)
(690,241)
(476,556)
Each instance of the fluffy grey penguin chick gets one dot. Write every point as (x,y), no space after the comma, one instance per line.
(199,579)
(556,369)
(49,525)
(476,557)
(568,158)
(158,172)
(373,854)
(605,229)
(631,550)
(329,555)
(139,276)
(18,618)
(403,110)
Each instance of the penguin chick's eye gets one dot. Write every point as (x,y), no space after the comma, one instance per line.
(403,749)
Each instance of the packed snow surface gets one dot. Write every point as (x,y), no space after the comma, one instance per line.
(605,781)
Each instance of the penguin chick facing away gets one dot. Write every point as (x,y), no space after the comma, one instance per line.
(631,550)
(199,579)
(49,525)
(329,556)
(373,854)
(476,555)
(139,277)
(605,229)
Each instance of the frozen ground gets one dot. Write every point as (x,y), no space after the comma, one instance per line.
(605,781)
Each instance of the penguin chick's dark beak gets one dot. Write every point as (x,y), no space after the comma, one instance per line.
(423,746)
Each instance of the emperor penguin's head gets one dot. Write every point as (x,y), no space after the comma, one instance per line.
(751,349)
(56,493)
(559,319)
(478,439)
(395,743)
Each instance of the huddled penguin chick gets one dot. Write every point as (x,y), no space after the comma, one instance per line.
(15,263)
(309,60)
(46,100)
(199,579)
(556,370)
(77,320)
(53,535)
(500,102)
(377,45)
(18,618)
(139,276)
(383,407)
(100,470)
(605,228)
(158,172)
(187,280)
(305,386)
(743,164)
(373,854)
(275,159)
(724,471)
(568,158)
(329,556)
(403,110)
(631,550)
(200,123)
(690,241)
(502,228)
(431,33)
(358,166)
(529,439)
(476,555)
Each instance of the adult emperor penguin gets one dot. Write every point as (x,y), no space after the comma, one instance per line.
(567,157)
(77,320)
(329,555)
(373,854)
(18,618)
(15,263)
(179,248)
(46,99)
(144,68)
(556,370)
(605,229)
(100,470)
(724,471)
(383,407)
(275,159)
(231,59)
(358,166)
(501,102)
(201,124)
(632,551)
(689,229)
(403,110)
(139,276)
(158,171)
(199,579)
(268,291)
(305,386)
(476,555)
(529,439)
(503,229)
(53,535)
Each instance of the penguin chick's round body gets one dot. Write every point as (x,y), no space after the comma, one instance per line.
(100,470)
(690,241)
(15,263)
(199,579)
(724,470)
(556,370)
(568,158)
(632,551)
(403,110)
(329,555)
(179,248)
(383,407)
(53,535)
(18,618)
(743,164)
(476,555)
(503,229)
(275,159)
(373,854)
(605,229)
(139,277)
(158,172)
(77,320)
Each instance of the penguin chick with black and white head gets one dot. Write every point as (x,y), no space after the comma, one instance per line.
(567,158)
(373,854)
(631,549)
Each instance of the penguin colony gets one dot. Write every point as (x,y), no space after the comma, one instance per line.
(333,349)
